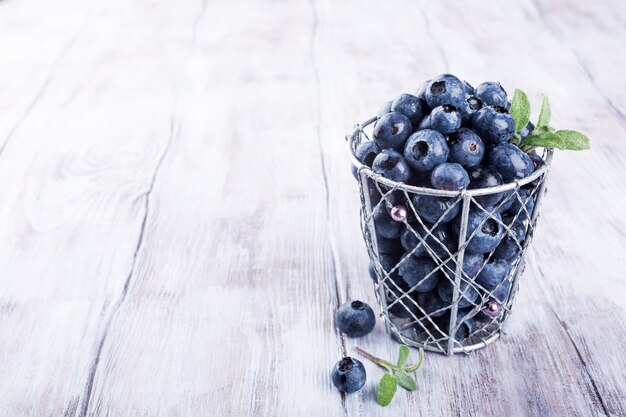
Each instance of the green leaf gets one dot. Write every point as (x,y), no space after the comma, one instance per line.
(406,381)
(520,109)
(387,389)
(403,355)
(545,113)
(573,140)
(568,140)
(417,365)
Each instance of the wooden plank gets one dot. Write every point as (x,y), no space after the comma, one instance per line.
(229,309)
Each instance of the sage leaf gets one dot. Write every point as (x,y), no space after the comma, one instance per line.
(520,109)
(406,381)
(545,113)
(403,355)
(387,389)
(573,140)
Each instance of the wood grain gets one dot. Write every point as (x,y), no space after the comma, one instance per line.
(179,222)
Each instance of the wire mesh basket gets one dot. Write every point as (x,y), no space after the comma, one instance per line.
(439,282)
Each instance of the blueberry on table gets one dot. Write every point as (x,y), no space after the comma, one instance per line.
(355,319)
(365,153)
(484,232)
(410,106)
(512,242)
(348,375)
(425,149)
(468,294)
(492,94)
(470,106)
(444,119)
(466,148)
(445,89)
(449,176)
(391,165)
(493,124)
(484,177)
(493,273)
(510,161)
(436,209)
(391,130)
(384,225)
(421,274)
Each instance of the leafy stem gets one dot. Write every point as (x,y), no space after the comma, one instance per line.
(543,135)
(397,374)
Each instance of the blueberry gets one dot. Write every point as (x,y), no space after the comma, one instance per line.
(398,309)
(483,177)
(440,241)
(510,162)
(348,375)
(536,159)
(365,153)
(355,319)
(391,130)
(372,271)
(431,303)
(383,223)
(493,273)
(493,125)
(419,273)
(527,202)
(431,209)
(488,230)
(391,165)
(469,90)
(445,89)
(470,106)
(466,148)
(388,261)
(386,245)
(384,109)
(472,263)
(425,149)
(410,106)
(445,119)
(511,244)
(468,294)
(449,176)
(465,324)
(492,94)
(527,130)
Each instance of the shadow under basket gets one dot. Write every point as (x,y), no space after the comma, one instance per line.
(439,282)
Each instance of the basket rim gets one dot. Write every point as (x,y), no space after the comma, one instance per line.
(367,171)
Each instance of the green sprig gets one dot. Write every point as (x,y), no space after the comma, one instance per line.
(397,374)
(543,135)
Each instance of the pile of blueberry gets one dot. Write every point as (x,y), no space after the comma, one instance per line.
(449,136)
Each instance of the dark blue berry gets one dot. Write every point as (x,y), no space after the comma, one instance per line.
(466,148)
(365,153)
(512,242)
(468,294)
(445,89)
(418,242)
(493,273)
(391,165)
(470,106)
(493,125)
(425,149)
(492,94)
(485,231)
(419,274)
(469,90)
(348,375)
(383,223)
(391,130)
(510,162)
(449,176)
(436,209)
(432,304)
(410,106)
(355,319)
(444,119)
(527,130)
(484,177)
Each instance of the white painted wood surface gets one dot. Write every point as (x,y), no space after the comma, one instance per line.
(178,221)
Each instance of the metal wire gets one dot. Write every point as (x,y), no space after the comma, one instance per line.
(452,328)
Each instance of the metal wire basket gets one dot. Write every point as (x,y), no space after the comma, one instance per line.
(462,312)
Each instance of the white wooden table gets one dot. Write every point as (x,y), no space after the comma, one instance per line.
(178,221)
